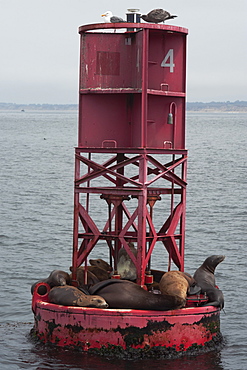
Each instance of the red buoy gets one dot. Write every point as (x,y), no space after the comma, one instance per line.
(131,159)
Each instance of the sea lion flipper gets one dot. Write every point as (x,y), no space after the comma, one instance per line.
(196,289)
(214,304)
(84,289)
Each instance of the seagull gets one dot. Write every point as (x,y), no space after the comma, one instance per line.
(110,18)
(157,16)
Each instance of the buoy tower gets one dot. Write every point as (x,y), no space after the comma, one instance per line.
(131,152)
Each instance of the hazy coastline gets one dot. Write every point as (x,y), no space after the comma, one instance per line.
(210,107)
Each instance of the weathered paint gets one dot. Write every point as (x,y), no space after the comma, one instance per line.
(101,329)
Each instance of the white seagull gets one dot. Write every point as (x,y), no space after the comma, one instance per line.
(110,18)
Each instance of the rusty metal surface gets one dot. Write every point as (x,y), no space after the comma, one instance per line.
(92,328)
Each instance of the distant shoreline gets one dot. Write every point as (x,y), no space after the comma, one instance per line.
(211,107)
(217,107)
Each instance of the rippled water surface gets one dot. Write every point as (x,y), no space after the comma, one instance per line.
(37,169)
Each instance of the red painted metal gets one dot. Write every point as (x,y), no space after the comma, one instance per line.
(128,151)
(121,329)
(131,159)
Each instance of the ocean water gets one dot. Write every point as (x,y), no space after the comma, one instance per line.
(37,171)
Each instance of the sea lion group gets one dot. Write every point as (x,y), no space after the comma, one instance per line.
(101,291)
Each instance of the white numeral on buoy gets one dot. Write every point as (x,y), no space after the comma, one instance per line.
(169,56)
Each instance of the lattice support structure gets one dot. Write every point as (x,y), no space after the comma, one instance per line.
(125,222)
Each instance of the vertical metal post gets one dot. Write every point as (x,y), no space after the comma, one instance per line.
(76,222)
(142,217)
(182,223)
(144,88)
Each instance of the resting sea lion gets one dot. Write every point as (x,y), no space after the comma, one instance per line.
(174,283)
(205,278)
(71,296)
(193,287)
(157,274)
(80,277)
(56,278)
(99,272)
(128,295)
(101,264)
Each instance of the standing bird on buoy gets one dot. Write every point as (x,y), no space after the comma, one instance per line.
(157,16)
(110,18)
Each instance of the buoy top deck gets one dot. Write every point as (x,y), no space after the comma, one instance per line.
(137,26)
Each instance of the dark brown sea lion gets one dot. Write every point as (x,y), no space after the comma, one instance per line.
(71,296)
(157,274)
(56,278)
(99,272)
(80,277)
(93,272)
(174,283)
(128,295)
(205,278)
(101,264)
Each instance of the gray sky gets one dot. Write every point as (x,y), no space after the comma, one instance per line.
(39,43)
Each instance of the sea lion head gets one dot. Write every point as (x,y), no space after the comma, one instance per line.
(92,301)
(212,262)
(58,278)
(101,264)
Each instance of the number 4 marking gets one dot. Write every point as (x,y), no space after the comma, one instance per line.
(168,56)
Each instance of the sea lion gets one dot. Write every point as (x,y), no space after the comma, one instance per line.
(129,295)
(101,264)
(193,287)
(71,296)
(174,283)
(98,271)
(157,274)
(205,278)
(80,277)
(125,266)
(56,278)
